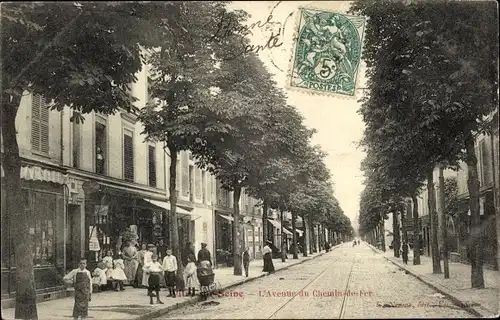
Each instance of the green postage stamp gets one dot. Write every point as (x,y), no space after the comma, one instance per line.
(327,52)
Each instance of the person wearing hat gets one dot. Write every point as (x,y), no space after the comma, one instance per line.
(154,269)
(204,254)
(148,258)
(268,257)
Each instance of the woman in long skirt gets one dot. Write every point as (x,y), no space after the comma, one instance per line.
(82,282)
(140,259)
(268,257)
(130,257)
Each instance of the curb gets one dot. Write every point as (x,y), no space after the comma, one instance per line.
(160,312)
(477,311)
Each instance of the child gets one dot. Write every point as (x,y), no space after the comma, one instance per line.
(99,280)
(154,269)
(170,267)
(190,274)
(82,282)
(108,265)
(118,274)
(246,261)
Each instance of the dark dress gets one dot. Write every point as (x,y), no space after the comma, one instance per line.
(204,255)
(268,262)
(82,295)
(246,261)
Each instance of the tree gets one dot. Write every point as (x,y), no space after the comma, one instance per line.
(50,49)
(453,70)
(184,111)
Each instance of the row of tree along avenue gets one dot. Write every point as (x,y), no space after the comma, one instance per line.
(207,95)
(432,80)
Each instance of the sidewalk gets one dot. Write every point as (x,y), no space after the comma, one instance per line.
(134,303)
(481,302)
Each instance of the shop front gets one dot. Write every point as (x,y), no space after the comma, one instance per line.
(110,213)
(223,238)
(44,203)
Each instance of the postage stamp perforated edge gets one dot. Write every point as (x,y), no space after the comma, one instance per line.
(296,31)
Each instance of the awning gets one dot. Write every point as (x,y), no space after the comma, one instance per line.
(184,214)
(277,225)
(300,232)
(229,218)
(288,232)
(42,174)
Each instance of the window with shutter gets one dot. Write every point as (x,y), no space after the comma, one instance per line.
(101,148)
(209,188)
(198,184)
(203,187)
(152,165)
(39,124)
(486,168)
(76,145)
(128,157)
(185,173)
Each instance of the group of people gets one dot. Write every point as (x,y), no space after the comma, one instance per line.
(140,268)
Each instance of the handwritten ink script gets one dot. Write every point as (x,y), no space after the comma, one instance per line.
(228,26)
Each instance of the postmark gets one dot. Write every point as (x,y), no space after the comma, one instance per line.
(327,52)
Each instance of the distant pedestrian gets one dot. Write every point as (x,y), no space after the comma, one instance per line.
(246,261)
(327,247)
(204,254)
(170,267)
(154,269)
(405,252)
(268,257)
(359,241)
(82,282)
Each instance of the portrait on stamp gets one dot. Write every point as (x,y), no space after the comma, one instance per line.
(327,52)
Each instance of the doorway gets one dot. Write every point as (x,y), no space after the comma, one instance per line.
(73,241)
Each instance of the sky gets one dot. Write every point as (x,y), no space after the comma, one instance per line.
(339,126)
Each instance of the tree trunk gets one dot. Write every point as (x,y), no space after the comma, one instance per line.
(18,220)
(443,224)
(313,235)
(236,231)
(294,236)
(475,249)
(436,263)
(264,222)
(416,231)
(304,236)
(396,233)
(382,232)
(282,239)
(173,211)
(496,189)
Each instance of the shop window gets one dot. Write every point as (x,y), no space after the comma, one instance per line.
(42,209)
(128,156)
(100,148)
(152,166)
(76,145)
(39,124)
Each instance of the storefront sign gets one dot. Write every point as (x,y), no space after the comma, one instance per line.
(93,241)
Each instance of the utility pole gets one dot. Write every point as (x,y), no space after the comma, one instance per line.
(444,230)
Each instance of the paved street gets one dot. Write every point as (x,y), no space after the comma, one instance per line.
(345,283)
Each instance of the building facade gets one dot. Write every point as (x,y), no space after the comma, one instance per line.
(85,183)
(459,224)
